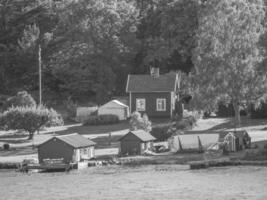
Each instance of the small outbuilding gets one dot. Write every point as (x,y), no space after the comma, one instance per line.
(72,148)
(192,142)
(238,140)
(115,107)
(136,143)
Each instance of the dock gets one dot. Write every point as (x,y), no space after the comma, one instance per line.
(50,165)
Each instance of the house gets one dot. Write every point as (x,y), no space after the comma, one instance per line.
(153,94)
(136,142)
(115,107)
(71,148)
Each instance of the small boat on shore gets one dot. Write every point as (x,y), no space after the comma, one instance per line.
(49,165)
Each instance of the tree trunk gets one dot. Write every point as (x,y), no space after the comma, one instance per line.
(30,136)
(237,114)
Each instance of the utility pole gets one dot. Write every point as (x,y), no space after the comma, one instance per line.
(40,73)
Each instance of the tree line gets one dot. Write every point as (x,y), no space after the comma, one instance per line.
(90,46)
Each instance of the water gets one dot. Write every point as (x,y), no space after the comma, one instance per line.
(143,182)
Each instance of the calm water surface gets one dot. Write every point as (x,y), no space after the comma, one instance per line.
(144,182)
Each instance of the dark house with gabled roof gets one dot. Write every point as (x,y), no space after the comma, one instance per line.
(71,148)
(153,94)
(136,142)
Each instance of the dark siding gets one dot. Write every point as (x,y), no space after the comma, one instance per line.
(54,149)
(151,107)
(130,145)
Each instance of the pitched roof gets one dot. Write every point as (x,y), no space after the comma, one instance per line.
(142,135)
(147,83)
(114,102)
(75,140)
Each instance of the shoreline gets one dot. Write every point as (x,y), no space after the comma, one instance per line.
(158,160)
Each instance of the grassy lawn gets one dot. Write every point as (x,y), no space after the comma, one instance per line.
(100,134)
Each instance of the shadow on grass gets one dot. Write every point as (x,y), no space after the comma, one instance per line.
(95,129)
(19,151)
(106,142)
(17,141)
(245,122)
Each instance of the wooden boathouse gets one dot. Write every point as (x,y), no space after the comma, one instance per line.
(71,148)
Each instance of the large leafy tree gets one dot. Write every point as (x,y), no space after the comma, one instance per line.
(227,54)
(167,31)
(93,61)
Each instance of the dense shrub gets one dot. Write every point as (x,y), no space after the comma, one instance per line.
(227,110)
(22,98)
(71,108)
(162,132)
(140,122)
(30,119)
(54,118)
(101,120)
(260,110)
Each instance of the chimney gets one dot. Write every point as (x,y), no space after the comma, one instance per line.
(154,72)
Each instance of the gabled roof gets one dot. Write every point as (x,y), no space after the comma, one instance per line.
(116,102)
(148,83)
(142,135)
(75,140)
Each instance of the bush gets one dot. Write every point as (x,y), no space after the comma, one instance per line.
(54,119)
(71,109)
(161,132)
(6,146)
(140,122)
(29,119)
(260,110)
(101,120)
(227,110)
(22,98)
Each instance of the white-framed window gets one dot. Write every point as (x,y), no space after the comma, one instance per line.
(140,104)
(161,104)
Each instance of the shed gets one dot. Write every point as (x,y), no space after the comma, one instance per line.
(242,139)
(136,142)
(71,148)
(115,107)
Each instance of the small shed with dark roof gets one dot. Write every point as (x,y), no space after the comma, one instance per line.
(153,94)
(136,142)
(71,148)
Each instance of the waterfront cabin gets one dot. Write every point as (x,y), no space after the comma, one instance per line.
(71,148)
(136,143)
(155,94)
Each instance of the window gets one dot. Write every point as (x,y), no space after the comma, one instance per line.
(140,104)
(161,104)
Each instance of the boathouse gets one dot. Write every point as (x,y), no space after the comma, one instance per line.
(71,148)
(136,142)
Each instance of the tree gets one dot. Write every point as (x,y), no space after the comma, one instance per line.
(22,99)
(30,119)
(227,53)
(138,122)
(167,34)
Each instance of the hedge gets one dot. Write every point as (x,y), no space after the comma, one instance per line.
(161,132)
(101,120)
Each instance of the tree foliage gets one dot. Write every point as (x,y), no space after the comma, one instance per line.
(22,99)
(30,119)
(137,121)
(227,50)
